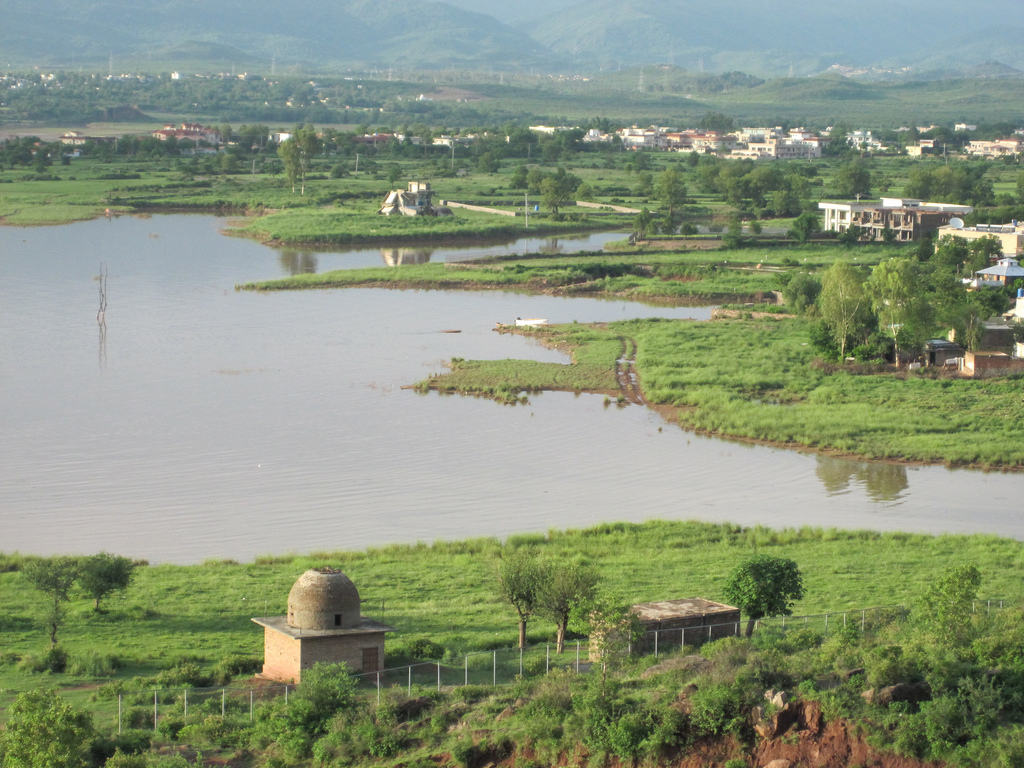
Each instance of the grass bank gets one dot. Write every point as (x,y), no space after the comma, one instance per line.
(759,380)
(673,277)
(445,591)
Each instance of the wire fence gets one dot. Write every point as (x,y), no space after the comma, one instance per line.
(177,708)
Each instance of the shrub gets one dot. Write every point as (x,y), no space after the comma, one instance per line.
(94,664)
(715,709)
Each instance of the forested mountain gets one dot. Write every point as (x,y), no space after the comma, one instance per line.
(766,38)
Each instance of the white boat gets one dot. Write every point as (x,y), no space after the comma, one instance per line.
(531,321)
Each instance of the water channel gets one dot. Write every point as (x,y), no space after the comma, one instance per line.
(204,422)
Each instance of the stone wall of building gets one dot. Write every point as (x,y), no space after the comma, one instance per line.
(280,656)
(346,648)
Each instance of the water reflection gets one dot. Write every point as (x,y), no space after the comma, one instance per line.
(883,481)
(298,262)
(395,257)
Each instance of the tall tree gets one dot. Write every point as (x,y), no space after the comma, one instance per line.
(898,298)
(105,573)
(842,302)
(670,190)
(565,586)
(519,578)
(764,586)
(54,577)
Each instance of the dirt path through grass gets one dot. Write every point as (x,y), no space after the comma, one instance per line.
(625,373)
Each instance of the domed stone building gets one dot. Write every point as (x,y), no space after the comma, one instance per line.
(324,624)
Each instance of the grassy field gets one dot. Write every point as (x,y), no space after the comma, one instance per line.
(444,592)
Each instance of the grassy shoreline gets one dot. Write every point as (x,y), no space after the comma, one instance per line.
(757,381)
(443,591)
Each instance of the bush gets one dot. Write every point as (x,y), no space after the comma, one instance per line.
(715,709)
(94,664)
(54,660)
(423,648)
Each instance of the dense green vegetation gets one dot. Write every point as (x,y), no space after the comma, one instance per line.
(187,626)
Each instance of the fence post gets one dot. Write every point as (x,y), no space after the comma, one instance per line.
(223,701)
(494,669)
(826,625)
(682,638)
(577,657)
(154,710)
(286,693)
(439,675)
(655,643)
(186,705)
(862,615)
(547,658)
(250,704)
(520,661)
(844,619)
(783,622)
(410,679)
(119,713)
(467,669)
(378,687)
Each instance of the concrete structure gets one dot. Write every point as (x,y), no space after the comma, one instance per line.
(324,624)
(908,219)
(1010,236)
(984,365)
(415,201)
(194,132)
(688,621)
(994,149)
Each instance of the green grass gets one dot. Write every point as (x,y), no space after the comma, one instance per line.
(445,592)
(758,379)
(360,223)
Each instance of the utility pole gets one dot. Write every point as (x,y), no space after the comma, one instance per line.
(526,208)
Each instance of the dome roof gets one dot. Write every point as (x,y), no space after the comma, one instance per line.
(324,598)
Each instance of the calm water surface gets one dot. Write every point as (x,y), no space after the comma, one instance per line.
(210,423)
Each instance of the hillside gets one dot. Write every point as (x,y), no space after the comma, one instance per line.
(799,38)
(347,33)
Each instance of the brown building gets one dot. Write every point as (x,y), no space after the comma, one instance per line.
(907,219)
(324,624)
(688,621)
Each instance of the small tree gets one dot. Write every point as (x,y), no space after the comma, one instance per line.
(44,731)
(950,598)
(642,223)
(519,576)
(565,585)
(105,573)
(765,586)
(54,577)
(611,626)
(805,225)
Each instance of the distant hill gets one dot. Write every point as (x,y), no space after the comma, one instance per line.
(343,33)
(770,38)
(767,38)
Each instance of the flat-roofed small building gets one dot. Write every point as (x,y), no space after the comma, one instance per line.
(686,621)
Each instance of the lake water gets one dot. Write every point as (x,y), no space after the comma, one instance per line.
(211,423)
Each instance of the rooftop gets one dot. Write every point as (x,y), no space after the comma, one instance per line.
(280,624)
(674,609)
